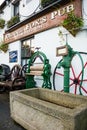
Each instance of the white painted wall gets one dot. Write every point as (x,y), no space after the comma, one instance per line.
(1,1)
(13,47)
(28,9)
(6,15)
(84,11)
(4,57)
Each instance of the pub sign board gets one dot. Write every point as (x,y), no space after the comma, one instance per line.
(44,22)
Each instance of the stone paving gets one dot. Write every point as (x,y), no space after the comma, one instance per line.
(6,122)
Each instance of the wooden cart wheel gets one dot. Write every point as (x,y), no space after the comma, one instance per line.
(18,81)
(16,72)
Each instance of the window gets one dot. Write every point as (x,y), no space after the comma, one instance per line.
(27,49)
(16,8)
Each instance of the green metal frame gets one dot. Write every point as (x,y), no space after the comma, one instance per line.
(30,82)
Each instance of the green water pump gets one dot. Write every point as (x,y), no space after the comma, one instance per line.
(67,53)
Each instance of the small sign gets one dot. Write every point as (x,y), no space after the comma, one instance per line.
(61,51)
(13,56)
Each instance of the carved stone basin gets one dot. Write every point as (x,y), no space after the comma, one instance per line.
(44,109)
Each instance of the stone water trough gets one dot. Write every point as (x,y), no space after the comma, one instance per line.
(44,109)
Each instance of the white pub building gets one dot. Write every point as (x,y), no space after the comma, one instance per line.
(31,24)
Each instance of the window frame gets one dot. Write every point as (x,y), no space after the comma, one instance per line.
(16,8)
(24,58)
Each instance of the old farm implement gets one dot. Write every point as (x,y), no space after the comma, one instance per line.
(38,65)
(13,80)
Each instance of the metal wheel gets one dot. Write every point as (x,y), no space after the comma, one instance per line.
(18,83)
(24,68)
(16,72)
(2,89)
(78,85)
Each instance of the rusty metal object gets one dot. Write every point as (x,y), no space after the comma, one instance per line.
(15,79)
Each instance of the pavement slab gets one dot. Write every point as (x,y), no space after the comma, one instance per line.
(6,122)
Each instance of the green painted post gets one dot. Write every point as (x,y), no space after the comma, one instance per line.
(66,79)
(66,63)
